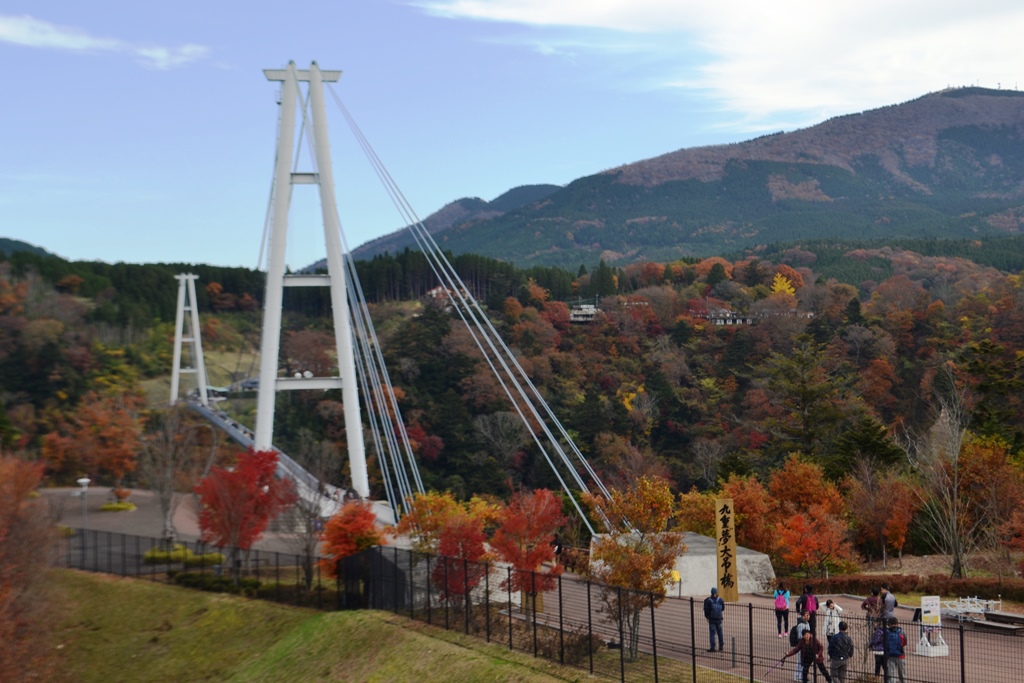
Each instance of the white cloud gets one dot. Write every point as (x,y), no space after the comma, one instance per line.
(31,32)
(168,58)
(768,61)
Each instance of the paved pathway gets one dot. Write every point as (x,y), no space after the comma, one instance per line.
(145,521)
(990,657)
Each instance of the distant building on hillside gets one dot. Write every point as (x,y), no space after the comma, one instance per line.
(582,313)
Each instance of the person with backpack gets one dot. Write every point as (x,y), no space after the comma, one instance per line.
(796,634)
(840,651)
(714,609)
(811,654)
(895,657)
(781,598)
(876,646)
(832,612)
(808,602)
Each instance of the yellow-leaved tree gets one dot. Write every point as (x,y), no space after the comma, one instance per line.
(635,558)
(782,284)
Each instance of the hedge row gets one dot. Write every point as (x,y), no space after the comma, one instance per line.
(217,584)
(182,554)
(932,584)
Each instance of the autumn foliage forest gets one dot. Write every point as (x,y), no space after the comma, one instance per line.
(854,414)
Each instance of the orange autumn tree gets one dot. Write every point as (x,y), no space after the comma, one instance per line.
(104,433)
(815,541)
(634,559)
(756,513)
(524,537)
(351,530)
(811,531)
(881,504)
(26,535)
(800,484)
(429,513)
(437,524)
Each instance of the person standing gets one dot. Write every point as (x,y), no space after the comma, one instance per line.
(796,636)
(714,612)
(840,651)
(808,602)
(895,642)
(781,598)
(888,603)
(811,654)
(872,606)
(832,612)
(876,646)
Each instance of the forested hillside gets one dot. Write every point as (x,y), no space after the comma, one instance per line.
(703,371)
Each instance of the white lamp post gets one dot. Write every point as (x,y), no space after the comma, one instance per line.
(84,483)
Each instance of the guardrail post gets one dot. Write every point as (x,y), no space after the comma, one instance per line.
(533,594)
(509,585)
(447,592)
(622,639)
(319,588)
(750,633)
(430,609)
(590,630)
(963,667)
(465,593)
(654,640)
(693,642)
(561,630)
(412,588)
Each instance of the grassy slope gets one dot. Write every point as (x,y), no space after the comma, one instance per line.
(114,629)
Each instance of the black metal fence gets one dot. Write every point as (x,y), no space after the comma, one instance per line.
(609,632)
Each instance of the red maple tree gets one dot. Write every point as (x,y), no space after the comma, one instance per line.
(351,530)
(460,567)
(237,505)
(524,538)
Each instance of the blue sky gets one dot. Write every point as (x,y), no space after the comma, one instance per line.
(145,132)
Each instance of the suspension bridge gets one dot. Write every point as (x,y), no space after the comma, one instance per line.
(367,392)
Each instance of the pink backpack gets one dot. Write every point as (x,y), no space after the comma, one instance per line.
(780,601)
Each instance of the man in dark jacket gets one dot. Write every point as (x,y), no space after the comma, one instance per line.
(812,654)
(714,609)
(840,651)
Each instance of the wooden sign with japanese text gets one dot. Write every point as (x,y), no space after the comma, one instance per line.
(725,550)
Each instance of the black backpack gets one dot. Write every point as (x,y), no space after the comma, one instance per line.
(794,636)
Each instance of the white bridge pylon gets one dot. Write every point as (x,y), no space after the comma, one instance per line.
(186,331)
(277,279)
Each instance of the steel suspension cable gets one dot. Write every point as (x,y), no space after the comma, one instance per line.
(468,304)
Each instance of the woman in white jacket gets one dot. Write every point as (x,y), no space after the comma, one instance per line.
(832,619)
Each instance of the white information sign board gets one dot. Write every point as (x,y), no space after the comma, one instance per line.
(930,611)
(931,643)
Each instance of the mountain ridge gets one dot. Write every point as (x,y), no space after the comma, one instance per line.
(946,165)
